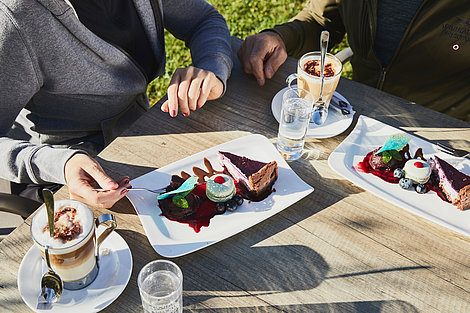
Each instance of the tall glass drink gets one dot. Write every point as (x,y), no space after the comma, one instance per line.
(308,75)
(73,251)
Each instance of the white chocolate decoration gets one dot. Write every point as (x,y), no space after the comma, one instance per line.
(417,170)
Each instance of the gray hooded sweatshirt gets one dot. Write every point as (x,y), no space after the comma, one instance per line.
(64,90)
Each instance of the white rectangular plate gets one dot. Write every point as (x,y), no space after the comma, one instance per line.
(173,239)
(368,135)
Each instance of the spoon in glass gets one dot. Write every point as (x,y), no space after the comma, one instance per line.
(51,284)
(320,111)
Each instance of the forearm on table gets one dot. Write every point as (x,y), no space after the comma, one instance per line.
(24,162)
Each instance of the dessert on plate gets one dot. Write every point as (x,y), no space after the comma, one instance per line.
(454,184)
(393,163)
(211,192)
(257,177)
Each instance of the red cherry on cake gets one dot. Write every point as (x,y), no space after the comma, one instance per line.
(418,164)
(219,180)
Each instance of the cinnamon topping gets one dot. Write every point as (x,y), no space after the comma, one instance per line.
(65,226)
(312,67)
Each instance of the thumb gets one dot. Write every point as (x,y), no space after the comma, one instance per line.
(97,173)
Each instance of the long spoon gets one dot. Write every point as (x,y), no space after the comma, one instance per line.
(51,284)
(320,110)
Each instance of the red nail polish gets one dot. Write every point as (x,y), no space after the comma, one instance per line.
(124,191)
(173,113)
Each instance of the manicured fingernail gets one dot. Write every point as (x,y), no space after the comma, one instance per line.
(185,114)
(124,191)
(126,181)
(173,113)
(111,184)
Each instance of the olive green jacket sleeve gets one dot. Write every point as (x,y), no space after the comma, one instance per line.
(302,33)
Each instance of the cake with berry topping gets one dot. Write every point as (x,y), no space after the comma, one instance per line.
(454,183)
(257,177)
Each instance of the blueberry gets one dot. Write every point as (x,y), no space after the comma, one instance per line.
(398,173)
(421,188)
(405,183)
(231,205)
(238,199)
(220,208)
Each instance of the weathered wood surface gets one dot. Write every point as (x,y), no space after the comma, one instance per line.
(341,249)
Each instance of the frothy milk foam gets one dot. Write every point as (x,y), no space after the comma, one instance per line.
(40,231)
(65,262)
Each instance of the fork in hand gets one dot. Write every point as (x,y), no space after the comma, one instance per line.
(455,152)
(159,191)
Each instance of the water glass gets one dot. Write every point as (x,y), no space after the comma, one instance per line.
(297,104)
(161,287)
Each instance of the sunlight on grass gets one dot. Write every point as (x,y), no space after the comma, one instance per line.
(244,18)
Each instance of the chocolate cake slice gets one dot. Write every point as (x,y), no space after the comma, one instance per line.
(257,177)
(171,210)
(454,183)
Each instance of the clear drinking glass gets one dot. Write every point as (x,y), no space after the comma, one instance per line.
(310,80)
(161,287)
(297,104)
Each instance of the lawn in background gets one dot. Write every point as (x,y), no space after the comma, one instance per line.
(244,17)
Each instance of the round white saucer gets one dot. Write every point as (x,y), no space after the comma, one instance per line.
(113,276)
(335,123)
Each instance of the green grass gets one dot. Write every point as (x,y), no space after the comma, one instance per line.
(244,17)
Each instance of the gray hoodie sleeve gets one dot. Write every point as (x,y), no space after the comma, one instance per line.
(20,160)
(205,33)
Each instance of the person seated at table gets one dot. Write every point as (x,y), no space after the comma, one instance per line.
(74,75)
(416,49)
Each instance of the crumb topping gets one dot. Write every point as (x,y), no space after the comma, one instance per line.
(65,225)
(312,67)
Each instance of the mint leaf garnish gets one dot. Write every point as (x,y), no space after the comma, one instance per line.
(386,156)
(396,155)
(180,202)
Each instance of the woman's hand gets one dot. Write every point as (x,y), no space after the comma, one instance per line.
(82,174)
(189,89)
(262,55)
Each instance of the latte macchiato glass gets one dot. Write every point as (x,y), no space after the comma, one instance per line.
(74,249)
(308,75)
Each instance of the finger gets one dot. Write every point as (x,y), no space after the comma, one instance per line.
(277,58)
(98,199)
(183,89)
(122,181)
(172,92)
(96,172)
(256,60)
(244,52)
(164,107)
(194,93)
(206,87)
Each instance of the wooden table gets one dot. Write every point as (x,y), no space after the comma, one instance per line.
(341,249)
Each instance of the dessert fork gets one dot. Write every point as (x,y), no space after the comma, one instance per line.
(455,152)
(159,191)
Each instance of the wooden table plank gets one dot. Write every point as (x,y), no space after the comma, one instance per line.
(340,249)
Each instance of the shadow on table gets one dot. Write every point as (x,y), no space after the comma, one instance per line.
(343,307)
(121,169)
